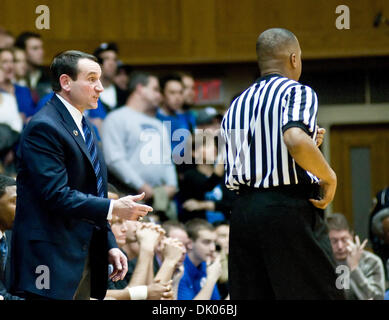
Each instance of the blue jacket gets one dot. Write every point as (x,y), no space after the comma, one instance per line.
(24,99)
(59,218)
(193,280)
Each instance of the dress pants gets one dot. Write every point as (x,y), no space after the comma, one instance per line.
(279,246)
(83,291)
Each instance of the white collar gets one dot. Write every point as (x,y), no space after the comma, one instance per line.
(1,234)
(74,112)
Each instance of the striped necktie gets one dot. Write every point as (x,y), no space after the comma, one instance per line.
(3,253)
(93,154)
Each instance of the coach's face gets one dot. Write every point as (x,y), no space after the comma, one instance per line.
(85,90)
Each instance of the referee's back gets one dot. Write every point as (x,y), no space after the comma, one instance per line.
(252,128)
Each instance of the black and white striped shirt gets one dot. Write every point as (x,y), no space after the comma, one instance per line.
(255,152)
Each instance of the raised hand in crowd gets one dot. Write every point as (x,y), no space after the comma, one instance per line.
(148,235)
(355,250)
(214,268)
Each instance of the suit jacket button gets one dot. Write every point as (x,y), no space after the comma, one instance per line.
(84,247)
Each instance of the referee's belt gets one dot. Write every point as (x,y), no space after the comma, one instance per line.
(307,191)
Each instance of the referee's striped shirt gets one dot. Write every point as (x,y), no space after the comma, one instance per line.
(255,152)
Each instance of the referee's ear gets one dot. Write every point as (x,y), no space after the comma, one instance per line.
(293,60)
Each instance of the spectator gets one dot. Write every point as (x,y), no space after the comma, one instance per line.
(38,77)
(113,96)
(222,229)
(379,226)
(189,95)
(202,268)
(9,113)
(11,124)
(121,290)
(7,215)
(200,181)
(209,119)
(171,112)
(131,248)
(189,90)
(175,229)
(367,277)
(6,39)
(142,270)
(137,149)
(22,94)
(20,66)
(122,76)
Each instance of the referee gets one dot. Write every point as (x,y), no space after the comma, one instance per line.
(279,248)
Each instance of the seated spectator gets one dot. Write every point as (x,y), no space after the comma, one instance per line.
(155,283)
(181,123)
(159,256)
(113,96)
(175,229)
(136,147)
(122,76)
(188,93)
(11,125)
(22,94)
(209,119)
(222,229)
(122,290)
(367,277)
(379,226)
(202,191)
(7,215)
(6,39)
(9,113)
(20,65)
(202,268)
(38,76)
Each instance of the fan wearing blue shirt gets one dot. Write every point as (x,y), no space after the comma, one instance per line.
(202,269)
(182,123)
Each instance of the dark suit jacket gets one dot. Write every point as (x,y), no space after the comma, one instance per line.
(5,278)
(59,218)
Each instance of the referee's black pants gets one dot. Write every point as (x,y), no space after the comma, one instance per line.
(279,247)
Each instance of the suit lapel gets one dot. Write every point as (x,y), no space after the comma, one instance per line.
(71,127)
(73,130)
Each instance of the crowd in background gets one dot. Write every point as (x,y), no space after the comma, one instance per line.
(155,141)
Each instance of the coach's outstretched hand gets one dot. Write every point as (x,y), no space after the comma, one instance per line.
(128,208)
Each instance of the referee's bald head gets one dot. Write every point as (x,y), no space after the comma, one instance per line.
(278,48)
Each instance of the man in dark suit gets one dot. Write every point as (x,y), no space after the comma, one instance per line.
(7,215)
(62,240)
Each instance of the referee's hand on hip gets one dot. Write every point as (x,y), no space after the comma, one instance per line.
(308,156)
